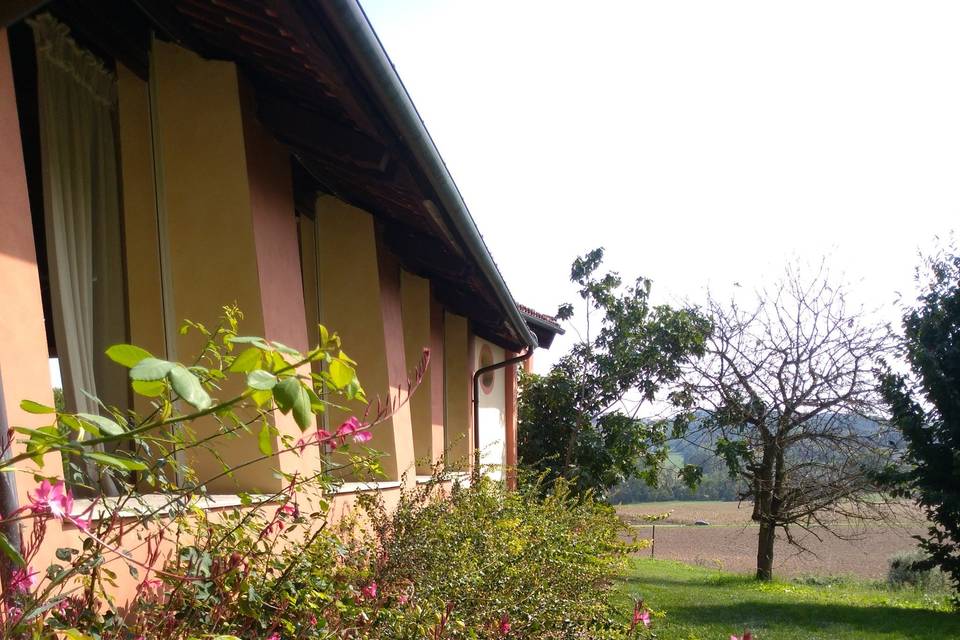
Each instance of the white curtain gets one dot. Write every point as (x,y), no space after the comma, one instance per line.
(77,97)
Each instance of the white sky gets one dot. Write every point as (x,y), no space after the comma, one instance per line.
(701,142)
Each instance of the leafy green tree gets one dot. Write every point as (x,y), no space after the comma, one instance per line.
(577,422)
(925,407)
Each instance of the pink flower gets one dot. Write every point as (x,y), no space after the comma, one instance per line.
(645,618)
(301,444)
(23,580)
(746,636)
(313,620)
(362,436)
(403,598)
(52,498)
(153,583)
(370,591)
(349,427)
(505,625)
(274,636)
(289,510)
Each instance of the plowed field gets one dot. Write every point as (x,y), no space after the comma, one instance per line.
(729,541)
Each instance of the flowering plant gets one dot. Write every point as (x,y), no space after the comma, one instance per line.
(471,562)
(174,551)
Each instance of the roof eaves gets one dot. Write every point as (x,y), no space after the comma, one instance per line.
(354,28)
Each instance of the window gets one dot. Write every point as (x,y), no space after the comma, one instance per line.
(67,105)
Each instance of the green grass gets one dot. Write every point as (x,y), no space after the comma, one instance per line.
(695,603)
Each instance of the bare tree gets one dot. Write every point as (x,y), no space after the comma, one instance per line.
(786,396)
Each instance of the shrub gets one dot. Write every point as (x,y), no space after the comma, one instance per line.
(485,557)
(905,572)
(477,563)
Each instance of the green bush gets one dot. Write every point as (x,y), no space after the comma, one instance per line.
(474,563)
(488,561)
(904,572)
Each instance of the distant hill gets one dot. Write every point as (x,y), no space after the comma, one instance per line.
(698,449)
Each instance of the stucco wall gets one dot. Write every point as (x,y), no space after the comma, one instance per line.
(352,305)
(492,410)
(415,296)
(457,369)
(23,344)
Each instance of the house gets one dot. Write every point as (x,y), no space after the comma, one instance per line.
(163,158)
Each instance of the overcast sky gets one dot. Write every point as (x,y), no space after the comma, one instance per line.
(701,143)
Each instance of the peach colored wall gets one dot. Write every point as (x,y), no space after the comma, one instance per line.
(24,372)
(397,374)
(220,204)
(353,305)
(510,402)
(278,258)
(141,238)
(275,234)
(437,391)
(415,293)
(457,368)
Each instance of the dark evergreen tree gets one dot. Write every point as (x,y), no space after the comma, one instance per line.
(925,407)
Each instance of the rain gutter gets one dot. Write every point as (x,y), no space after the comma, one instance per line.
(354,29)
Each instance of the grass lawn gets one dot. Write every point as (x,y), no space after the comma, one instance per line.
(703,604)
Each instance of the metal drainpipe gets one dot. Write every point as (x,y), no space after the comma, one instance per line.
(476,403)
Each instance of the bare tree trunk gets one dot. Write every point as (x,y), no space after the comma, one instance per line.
(768,535)
(763,509)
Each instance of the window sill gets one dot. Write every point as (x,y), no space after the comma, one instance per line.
(455,477)
(161,505)
(365,487)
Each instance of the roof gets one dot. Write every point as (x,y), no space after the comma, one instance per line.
(323,85)
(544,326)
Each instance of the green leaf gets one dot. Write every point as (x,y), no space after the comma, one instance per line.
(11,552)
(149,388)
(188,387)
(290,351)
(341,373)
(151,369)
(285,393)
(73,634)
(265,440)
(301,408)
(246,361)
(70,420)
(65,553)
(261,380)
(316,403)
(256,341)
(104,425)
(261,397)
(117,462)
(324,336)
(35,407)
(127,354)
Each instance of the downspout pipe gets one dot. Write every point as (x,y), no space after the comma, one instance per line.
(476,401)
(352,26)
